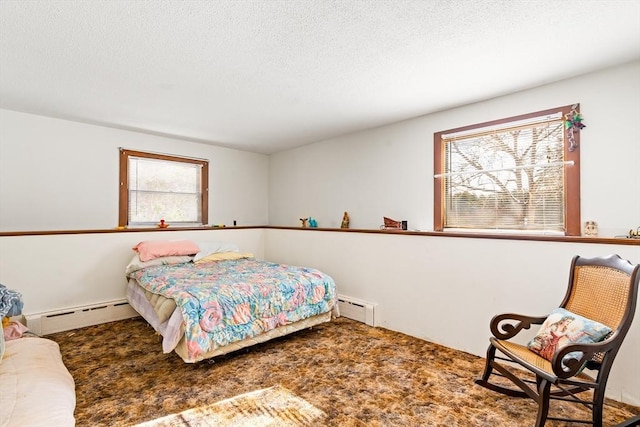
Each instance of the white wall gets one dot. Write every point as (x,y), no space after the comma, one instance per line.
(446,290)
(57,174)
(55,272)
(388,171)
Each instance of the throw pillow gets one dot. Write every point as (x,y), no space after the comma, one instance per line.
(161,248)
(562,328)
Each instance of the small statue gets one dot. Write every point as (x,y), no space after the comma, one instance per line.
(590,229)
(345,221)
(313,223)
(304,222)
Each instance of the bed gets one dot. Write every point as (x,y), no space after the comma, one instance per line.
(208,298)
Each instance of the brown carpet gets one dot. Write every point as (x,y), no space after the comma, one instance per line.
(357,375)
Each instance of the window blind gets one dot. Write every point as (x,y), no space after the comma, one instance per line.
(509,178)
(162,189)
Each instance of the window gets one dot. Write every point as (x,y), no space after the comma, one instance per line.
(517,175)
(158,186)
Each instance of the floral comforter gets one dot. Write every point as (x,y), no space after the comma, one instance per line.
(227,301)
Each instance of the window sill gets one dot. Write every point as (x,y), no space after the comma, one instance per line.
(470,235)
(121,230)
(466,235)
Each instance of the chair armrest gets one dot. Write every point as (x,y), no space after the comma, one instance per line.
(565,366)
(505,326)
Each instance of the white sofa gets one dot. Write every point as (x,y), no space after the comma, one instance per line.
(36,388)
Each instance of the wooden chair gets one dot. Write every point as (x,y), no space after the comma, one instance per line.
(604,290)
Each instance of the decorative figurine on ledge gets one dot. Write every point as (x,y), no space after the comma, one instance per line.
(162,224)
(304,222)
(313,223)
(391,224)
(345,221)
(590,229)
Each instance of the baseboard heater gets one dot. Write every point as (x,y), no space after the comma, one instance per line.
(79,317)
(356,309)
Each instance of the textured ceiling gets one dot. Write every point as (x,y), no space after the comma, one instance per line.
(265,76)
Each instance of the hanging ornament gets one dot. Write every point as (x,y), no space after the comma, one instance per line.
(573,123)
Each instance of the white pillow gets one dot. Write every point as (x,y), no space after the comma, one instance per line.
(136,264)
(209,248)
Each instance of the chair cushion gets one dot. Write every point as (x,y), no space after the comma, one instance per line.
(562,328)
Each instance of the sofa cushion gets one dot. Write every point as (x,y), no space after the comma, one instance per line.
(36,387)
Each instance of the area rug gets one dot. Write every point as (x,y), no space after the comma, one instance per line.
(273,406)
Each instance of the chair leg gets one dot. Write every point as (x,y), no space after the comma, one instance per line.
(490,365)
(544,390)
(598,402)
(488,368)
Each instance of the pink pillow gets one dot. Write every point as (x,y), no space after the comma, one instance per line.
(155,249)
